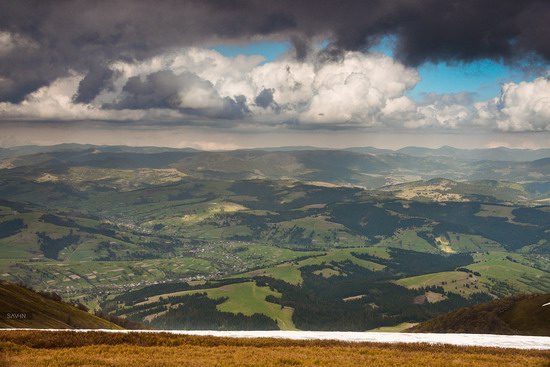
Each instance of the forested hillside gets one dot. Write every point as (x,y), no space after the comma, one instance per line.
(290,239)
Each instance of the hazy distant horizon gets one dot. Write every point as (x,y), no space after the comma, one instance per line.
(275,148)
(214,139)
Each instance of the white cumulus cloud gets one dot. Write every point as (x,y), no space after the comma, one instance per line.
(521,106)
(203,87)
(355,89)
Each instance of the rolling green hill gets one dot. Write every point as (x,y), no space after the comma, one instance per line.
(365,167)
(523,315)
(23,308)
(320,248)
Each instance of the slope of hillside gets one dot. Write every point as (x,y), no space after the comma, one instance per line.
(523,315)
(37,349)
(23,308)
(495,154)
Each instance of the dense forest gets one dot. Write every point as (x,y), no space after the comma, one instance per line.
(196,312)
(357,301)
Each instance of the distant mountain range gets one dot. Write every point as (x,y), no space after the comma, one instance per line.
(365,167)
(493,154)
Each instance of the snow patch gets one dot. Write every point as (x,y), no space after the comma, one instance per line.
(476,340)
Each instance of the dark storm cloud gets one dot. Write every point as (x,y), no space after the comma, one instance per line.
(265,98)
(301,47)
(186,92)
(79,35)
(232,108)
(98,78)
(158,90)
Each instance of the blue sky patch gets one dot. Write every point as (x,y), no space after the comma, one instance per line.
(482,78)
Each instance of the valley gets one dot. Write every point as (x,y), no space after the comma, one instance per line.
(277,239)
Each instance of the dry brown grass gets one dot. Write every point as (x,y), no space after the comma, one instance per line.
(37,349)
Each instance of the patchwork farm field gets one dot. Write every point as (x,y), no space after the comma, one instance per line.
(181,240)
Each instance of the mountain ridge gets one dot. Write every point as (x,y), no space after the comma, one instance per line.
(518,315)
(347,167)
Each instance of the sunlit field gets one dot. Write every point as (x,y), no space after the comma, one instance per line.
(28,348)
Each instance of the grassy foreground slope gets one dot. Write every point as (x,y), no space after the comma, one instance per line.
(524,315)
(37,311)
(23,348)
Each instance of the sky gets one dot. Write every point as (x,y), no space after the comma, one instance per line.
(241,73)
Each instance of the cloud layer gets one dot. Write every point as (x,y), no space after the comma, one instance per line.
(201,87)
(519,107)
(42,40)
(147,63)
